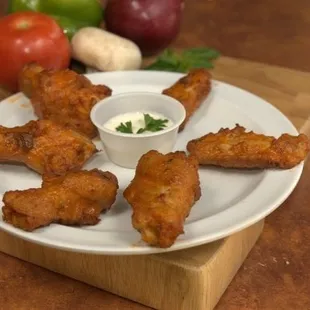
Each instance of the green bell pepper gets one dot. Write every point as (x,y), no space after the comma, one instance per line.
(71,15)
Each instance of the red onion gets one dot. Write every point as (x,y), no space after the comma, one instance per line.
(151,24)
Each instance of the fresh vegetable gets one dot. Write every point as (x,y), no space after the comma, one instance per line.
(185,60)
(105,51)
(151,124)
(30,37)
(71,15)
(151,24)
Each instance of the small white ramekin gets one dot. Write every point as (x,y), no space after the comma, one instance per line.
(124,149)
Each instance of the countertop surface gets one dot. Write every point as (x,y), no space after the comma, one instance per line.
(276,274)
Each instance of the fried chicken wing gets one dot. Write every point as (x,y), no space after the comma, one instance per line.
(236,148)
(29,78)
(62,96)
(191,90)
(45,147)
(162,193)
(77,198)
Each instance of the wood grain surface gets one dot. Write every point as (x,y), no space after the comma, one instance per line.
(276,275)
(189,279)
(275,32)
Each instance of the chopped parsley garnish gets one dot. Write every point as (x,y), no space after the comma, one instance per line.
(151,124)
(125,128)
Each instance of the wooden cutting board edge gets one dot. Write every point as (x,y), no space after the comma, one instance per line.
(188,279)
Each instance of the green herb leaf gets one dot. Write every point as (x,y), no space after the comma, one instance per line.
(125,128)
(148,120)
(183,62)
(207,53)
(160,65)
(141,130)
(168,56)
(152,124)
(201,64)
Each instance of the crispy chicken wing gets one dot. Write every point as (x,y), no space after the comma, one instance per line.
(62,96)
(162,193)
(45,147)
(76,198)
(236,148)
(191,90)
(29,78)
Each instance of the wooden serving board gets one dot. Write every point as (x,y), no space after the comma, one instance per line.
(196,278)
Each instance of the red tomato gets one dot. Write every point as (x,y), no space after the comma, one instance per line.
(26,37)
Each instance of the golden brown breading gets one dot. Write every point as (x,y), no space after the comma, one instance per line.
(76,198)
(62,96)
(45,147)
(236,148)
(191,90)
(29,78)
(162,193)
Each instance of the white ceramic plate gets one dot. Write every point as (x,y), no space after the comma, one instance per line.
(231,200)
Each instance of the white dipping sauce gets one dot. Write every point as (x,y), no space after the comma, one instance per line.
(137,120)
